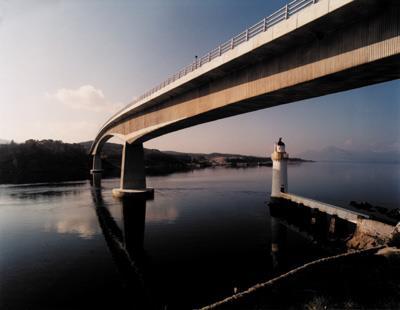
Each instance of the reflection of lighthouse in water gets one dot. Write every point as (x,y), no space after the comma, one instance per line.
(278,241)
(279,169)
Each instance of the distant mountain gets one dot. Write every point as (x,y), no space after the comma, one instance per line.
(3,141)
(332,153)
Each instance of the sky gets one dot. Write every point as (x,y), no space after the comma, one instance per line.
(67,65)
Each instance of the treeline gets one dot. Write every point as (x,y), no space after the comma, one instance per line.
(156,162)
(36,161)
(54,161)
(42,161)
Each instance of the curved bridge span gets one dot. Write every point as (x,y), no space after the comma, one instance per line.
(307,49)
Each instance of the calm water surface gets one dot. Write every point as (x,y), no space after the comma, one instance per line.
(66,246)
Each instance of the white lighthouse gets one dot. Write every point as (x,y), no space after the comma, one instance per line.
(279,169)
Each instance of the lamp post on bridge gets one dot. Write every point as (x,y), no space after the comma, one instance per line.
(279,169)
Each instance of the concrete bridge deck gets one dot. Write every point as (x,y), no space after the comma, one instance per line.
(326,46)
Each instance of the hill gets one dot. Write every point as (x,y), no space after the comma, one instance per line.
(332,153)
(42,161)
(164,162)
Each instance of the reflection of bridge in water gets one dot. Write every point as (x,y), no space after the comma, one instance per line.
(126,244)
(125,239)
(330,228)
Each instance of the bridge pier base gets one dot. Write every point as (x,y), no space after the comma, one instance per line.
(133,177)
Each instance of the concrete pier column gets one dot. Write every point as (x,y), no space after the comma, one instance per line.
(279,169)
(96,171)
(132,167)
(133,177)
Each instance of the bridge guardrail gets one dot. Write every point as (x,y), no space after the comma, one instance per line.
(252,31)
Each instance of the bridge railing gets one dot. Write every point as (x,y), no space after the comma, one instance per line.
(269,21)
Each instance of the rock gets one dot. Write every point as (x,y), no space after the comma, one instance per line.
(392,254)
(395,238)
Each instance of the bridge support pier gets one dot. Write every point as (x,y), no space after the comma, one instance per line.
(133,177)
(96,171)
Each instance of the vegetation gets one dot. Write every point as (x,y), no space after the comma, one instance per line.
(42,161)
(54,161)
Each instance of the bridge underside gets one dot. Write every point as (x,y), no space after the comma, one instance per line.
(372,73)
(342,51)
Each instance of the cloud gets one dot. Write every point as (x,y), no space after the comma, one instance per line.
(86,97)
(78,225)
(83,228)
(348,142)
(385,146)
(81,222)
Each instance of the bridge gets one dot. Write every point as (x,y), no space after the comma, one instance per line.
(308,48)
